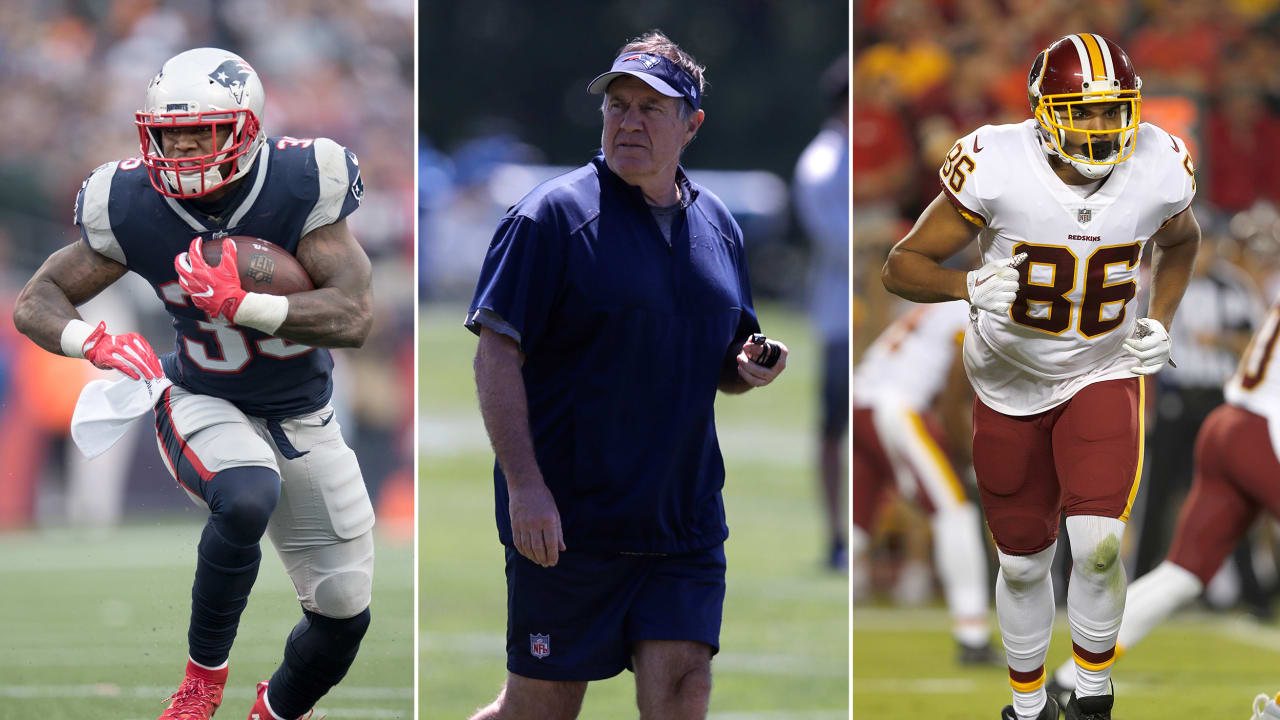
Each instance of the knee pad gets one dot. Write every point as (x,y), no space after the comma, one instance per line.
(1024,570)
(1095,544)
(241,500)
(343,595)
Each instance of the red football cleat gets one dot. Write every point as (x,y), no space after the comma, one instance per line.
(261,712)
(199,695)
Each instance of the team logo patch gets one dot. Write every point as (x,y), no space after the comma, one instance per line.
(539,645)
(647,60)
(232,75)
(1084,215)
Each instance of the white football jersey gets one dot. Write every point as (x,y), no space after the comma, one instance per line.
(909,361)
(1255,386)
(1066,327)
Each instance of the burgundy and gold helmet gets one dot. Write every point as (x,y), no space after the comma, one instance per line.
(1082,69)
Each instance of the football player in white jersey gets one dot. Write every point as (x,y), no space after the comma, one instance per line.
(912,368)
(1062,206)
(1237,476)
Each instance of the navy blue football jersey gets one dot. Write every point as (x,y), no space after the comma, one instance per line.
(294,187)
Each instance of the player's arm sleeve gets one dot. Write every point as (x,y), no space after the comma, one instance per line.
(92,214)
(519,281)
(341,187)
(961,177)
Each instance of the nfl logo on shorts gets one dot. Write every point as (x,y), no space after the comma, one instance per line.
(1085,215)
(539,645)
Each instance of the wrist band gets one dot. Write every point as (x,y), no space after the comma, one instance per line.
(261,311)
(73,336)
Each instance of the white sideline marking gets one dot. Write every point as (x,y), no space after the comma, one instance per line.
(782,715)
(159,692)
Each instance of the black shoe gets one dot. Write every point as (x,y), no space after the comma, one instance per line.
(838,556)
(1058,692)
(1090,708)
(1048,712)
(978,655)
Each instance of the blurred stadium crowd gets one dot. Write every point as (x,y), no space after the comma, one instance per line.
(72,75)
(926,72)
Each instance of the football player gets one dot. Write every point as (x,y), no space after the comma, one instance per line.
(1236,468)
(247,427)
(913,365)
(1062,205)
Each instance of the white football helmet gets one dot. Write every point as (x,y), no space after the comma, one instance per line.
(202,88)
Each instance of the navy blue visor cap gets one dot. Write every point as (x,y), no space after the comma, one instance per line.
(657,72)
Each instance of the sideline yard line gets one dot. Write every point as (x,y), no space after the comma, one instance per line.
(111,690)
(782,715)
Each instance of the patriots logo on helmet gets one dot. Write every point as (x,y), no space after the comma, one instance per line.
(233,75)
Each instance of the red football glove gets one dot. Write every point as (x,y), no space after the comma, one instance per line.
(214,289)
(130,353)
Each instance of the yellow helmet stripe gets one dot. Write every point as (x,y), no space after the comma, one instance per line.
(1098,65)
(1109,60)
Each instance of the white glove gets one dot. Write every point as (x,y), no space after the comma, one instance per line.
(1150,345)
(994,286)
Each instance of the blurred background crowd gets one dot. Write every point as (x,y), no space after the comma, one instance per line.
(927,72)
(72,74)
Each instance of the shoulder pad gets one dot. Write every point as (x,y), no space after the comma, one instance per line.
(91,212)
(341,188)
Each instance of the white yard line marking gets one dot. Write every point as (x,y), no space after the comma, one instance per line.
(782,715)
(111,690)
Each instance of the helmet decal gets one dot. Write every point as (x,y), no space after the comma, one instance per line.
(233,75)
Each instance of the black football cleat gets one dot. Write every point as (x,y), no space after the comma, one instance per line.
(1048,712)
(1090,708)
(978,656)
(1058,692)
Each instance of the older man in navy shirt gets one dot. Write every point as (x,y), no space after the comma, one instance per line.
(612,305)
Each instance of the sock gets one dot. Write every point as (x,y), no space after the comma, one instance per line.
(859,568)
(1153,598)
(1095,599)
(240,502)
(961,559)
(316,657)
(1024,607)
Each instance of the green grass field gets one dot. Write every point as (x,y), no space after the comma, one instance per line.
(1196,666)
(784,643)
(93,625)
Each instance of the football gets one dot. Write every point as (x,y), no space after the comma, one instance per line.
(264,267)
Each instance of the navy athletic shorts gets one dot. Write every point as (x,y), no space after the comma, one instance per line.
(835,389)
(578,621)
